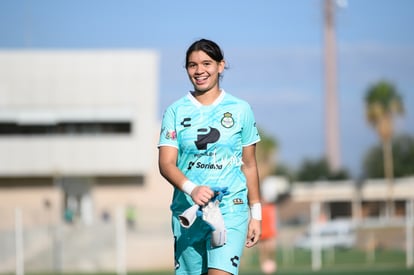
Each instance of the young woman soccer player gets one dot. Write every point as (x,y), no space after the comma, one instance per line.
(207,141)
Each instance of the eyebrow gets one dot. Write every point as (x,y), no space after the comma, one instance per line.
(205,60)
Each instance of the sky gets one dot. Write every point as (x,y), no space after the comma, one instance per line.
(273,48)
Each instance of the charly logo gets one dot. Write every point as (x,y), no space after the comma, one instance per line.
(205,137)
(235,261)
(186,122)
(227,121)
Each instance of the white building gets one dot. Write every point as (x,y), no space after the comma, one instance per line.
(78,135)
(72,120)
(347,199)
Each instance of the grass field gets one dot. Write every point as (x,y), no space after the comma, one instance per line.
(298,262)
(350,271)
(308,272)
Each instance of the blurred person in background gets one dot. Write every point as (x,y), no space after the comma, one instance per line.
(207,141)
(131,216)
(268,239)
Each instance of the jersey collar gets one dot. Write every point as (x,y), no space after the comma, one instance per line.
(198,104)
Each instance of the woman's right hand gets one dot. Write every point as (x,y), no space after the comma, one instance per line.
(202,194)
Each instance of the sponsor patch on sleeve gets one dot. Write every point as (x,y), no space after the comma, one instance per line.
(171,134)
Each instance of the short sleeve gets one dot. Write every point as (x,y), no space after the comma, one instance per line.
(250,134)
(168,133)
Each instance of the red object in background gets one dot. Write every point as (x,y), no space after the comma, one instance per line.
(269,225)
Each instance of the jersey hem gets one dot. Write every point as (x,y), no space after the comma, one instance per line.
(166,144)
(251,143)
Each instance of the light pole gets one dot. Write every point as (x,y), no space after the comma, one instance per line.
(332,142)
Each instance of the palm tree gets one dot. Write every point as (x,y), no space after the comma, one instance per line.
(265,154)
(383,103)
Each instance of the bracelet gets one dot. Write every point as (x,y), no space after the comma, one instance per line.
(188,187)
(256,211)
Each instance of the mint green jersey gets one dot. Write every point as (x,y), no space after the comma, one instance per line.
(210,140)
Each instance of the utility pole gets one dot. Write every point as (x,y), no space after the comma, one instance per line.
(331,100)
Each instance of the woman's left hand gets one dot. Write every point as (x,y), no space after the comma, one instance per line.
(254,232)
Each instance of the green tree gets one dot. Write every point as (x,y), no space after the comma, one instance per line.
(314,170)
(265,154)
(284,170)
(403,158)
(383,103)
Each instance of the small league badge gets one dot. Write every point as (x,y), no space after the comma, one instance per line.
(171,134)
(227,121)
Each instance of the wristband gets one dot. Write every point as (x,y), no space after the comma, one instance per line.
(188,187)
(256,211)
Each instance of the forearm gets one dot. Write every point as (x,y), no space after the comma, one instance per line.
(172,174)
(167,164)
(252,179)
(254,228)
(249,169)
(200,194)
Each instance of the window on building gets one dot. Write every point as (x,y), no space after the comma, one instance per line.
(66,128)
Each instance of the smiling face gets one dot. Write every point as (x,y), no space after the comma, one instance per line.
(204,72)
